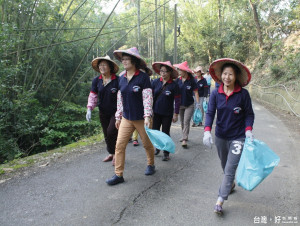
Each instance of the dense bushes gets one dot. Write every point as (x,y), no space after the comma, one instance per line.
(24,129)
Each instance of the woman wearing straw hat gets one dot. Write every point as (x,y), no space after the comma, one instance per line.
(134,109)
(165,93)
(235,118)
(105,89)
(188,89)
(202,90)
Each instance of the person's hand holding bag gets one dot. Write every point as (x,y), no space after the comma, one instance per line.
(207,139)
(249,135)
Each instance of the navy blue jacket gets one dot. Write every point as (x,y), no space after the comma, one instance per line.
(132,93)
(187,89)
(202,87)
(107,95)
(164,101)
(234,113)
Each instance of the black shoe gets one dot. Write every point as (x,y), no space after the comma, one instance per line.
(150,170)
(157,151)
(115,180)
(166,157)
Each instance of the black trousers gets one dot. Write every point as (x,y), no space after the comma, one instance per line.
(110,131)
(164,122)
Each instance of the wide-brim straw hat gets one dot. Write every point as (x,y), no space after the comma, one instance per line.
(156,67)
(107,58)
(199,68)
(147,70)
(216,67)
(132,52)
(184,67)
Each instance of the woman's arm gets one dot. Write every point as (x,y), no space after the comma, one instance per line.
(119,112)
(196,96)
(211,110)
(147,102)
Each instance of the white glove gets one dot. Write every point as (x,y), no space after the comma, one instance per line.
(207,139)
(249,135)
(88,115)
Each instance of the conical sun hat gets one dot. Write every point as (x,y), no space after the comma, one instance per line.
(216,67)
(147,70)
(156,67)
(107,58)
(184,67)
(199,68)
(132,52)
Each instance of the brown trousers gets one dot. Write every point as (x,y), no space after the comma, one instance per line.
(125,131)
(186,114)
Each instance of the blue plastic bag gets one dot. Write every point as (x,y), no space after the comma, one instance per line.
(208,80)
(160,140)
(256,163)
(197,116)
(205,106)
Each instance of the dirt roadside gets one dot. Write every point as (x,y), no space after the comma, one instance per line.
(291,121)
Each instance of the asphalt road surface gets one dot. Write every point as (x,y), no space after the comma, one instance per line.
(183,191)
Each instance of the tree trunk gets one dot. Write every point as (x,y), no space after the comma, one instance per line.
(257,24)
(139,24)
(220,28)
(164,34)
(175,35)
(155,34)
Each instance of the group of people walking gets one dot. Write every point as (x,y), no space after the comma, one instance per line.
(132,100)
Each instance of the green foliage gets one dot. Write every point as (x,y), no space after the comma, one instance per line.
(68,125)
(276,71)
(292,68)
(41,46)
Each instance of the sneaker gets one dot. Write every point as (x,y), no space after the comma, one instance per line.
(194,125)
(130,140)
(150,170)
(135,143)
(166,157)
(156,151)
(115,180)
(218,209)
(200,124)
(184,144)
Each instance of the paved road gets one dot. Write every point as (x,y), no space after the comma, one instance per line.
(182,192)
